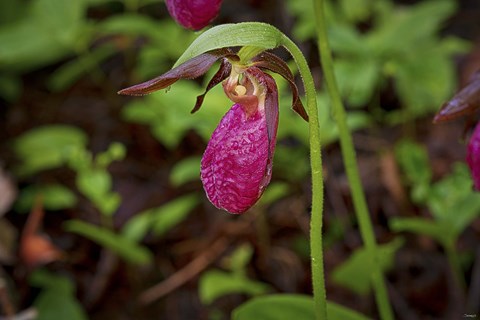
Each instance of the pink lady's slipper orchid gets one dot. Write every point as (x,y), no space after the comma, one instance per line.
(466,102)
(237,164)
(193,14)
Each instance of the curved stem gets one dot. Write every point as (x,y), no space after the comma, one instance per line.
(316,220)
(349,158)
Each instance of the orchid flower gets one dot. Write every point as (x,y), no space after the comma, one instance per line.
(193,14)
(237,164)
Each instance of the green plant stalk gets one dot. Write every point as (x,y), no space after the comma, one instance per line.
(316,219)
(349,158)
(455,265)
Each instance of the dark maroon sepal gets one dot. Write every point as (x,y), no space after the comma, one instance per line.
(190,69)
(463,103)
(271,62)
(222,73)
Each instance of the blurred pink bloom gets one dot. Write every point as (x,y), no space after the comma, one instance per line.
(473,156)
(193,14)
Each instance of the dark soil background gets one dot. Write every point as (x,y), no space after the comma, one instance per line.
(420,284)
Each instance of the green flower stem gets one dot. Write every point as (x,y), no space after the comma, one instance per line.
(349,158)
(316,220)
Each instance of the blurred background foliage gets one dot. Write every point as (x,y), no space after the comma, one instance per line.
(117,178)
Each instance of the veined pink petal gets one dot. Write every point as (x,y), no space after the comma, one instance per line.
(193,14)
(473,156)
(237,164)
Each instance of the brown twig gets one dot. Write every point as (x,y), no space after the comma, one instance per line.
(197,265)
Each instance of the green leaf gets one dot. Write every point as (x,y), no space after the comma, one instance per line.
(54,197)
(67,74)
(357,79)
(61,20)
(215,283)
(290,306)
(274,192)
(57,300)
(95,184)
(49,31)
(185,171)
(417,74)
(356,10)
(122,246)
(403,28)
(160,219)
(413,160)
(256,34)
(355,273)
(452,200)
(47,147)
(115,152)
(437,230)
(239,259)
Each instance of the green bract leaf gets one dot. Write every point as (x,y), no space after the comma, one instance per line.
(290,306)
(254,34)
(125,248)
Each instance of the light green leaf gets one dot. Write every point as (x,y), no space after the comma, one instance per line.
(414,162)
(405,27)
(57,300)
(255,34)
(274,192)
(239,259)
(355,273)
(357,79)
(215,283)
(54,197)
(124,247)
(60,19)
(452,200)
(290,306)
(437,230)
(47,147)
(356,10)
(185,171)
(160,219)
(95,184)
